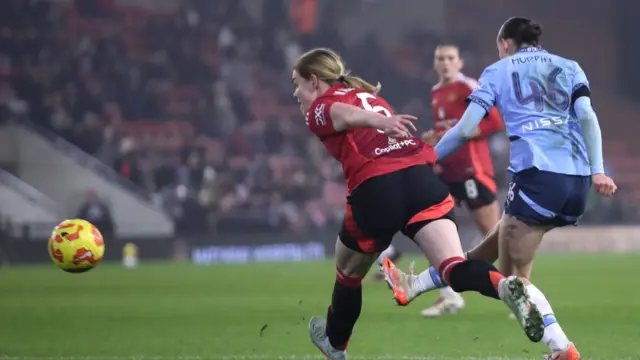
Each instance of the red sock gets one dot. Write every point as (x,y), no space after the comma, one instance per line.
(471,275)
(495,278)
(446,266)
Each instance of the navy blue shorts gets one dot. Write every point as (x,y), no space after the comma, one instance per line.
(546,198)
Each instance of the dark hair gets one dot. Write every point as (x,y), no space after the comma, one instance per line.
(450,44)
(522,31)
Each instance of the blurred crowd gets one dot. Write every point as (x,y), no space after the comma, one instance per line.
(194,104)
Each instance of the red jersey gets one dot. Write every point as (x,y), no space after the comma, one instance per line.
(473,158)
(364,152)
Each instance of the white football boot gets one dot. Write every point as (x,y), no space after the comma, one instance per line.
(318,335)
(514,294)
(444,305)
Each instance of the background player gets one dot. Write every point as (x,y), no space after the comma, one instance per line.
(469,171)
(556,153)
(392,187)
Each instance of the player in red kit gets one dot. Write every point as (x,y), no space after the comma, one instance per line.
(469,171)
(392,187)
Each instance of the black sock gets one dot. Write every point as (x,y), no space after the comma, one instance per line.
(471,275)
(344,311)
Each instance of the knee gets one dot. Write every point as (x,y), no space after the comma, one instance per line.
(352,269)
(348,278)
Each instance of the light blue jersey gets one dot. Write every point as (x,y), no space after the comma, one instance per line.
(533,90)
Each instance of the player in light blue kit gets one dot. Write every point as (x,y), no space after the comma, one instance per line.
(556,154)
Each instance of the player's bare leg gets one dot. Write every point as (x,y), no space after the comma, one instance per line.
(440,243)
(331,336)
(486,217)
(440,252)
(521,265)
(518,245)
(488,249)
(449,301)
(430,279)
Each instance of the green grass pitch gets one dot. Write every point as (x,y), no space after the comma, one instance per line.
(260,311)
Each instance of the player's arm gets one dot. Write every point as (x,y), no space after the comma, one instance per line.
(492,123)
(326,118)
(581,101)
(463,131)
(347,116)
(591,132)
(480,103)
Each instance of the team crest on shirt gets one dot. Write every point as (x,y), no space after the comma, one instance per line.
(318,114)
(452,97)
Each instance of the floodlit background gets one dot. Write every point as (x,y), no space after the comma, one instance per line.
(171,125)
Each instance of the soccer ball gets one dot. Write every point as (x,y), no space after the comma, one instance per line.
(76,246)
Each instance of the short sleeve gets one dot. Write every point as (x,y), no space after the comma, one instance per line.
(580,84)
(485,94)
(579,78)
(319,118)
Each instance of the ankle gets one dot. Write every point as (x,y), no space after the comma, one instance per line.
(448,292)
(525,281)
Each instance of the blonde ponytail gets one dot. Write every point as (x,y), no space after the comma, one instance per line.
(358,83)
(328,66)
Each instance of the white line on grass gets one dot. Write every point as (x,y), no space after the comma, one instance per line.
(270,357)
(260,357)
